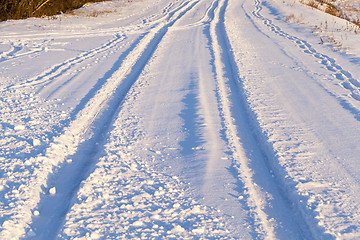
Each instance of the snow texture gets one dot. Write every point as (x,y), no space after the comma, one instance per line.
(181,119)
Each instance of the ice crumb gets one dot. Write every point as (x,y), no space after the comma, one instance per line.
(198,230)
(150,182)
(95,235)
(19,127)
(36,142)
(156,217)
(159,193)
(138,223)
(27,162)
(36,213)
(133,167)
(52,191)
(178,228)
(196,210)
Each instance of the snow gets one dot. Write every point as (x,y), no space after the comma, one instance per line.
(52,191)
(181,119)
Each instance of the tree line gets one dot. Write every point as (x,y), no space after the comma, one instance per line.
(19,9)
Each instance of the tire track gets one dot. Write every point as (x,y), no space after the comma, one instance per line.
(343,78)
(250,157)
(206,18)
(256,199)
(19,50)
(57,70)
(80,139)
(48,76)
(120,35)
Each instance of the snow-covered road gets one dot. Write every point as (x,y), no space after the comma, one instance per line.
(178,119)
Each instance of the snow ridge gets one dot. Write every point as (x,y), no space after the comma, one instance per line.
(249,146)
(256,200)
(299,158)
(181,119)
(109,96)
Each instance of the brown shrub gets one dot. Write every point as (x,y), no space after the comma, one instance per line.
(18,9)
(331,9)
(313,4)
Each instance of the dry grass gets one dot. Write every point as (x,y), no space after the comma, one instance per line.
(331,9)
(313,4)
(329,33)
(328,7)
(294,19)
(19,9)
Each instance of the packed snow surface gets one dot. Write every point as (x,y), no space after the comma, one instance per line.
(181,119)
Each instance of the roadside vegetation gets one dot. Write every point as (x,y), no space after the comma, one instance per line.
(19,9)
(331,31)
(329,7)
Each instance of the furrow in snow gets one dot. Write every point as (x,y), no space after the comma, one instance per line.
(251,155)
(56,71)
(336,73)
(206,18)
(107,98)
(310,133)
(50,75)
(135,200)
(256,198)
(18,50)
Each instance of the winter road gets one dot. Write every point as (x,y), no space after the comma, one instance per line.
(180,119)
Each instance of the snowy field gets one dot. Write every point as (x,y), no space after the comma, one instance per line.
(181,119)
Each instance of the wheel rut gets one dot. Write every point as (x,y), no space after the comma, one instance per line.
(71,155)
(341,77)
(270,205)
